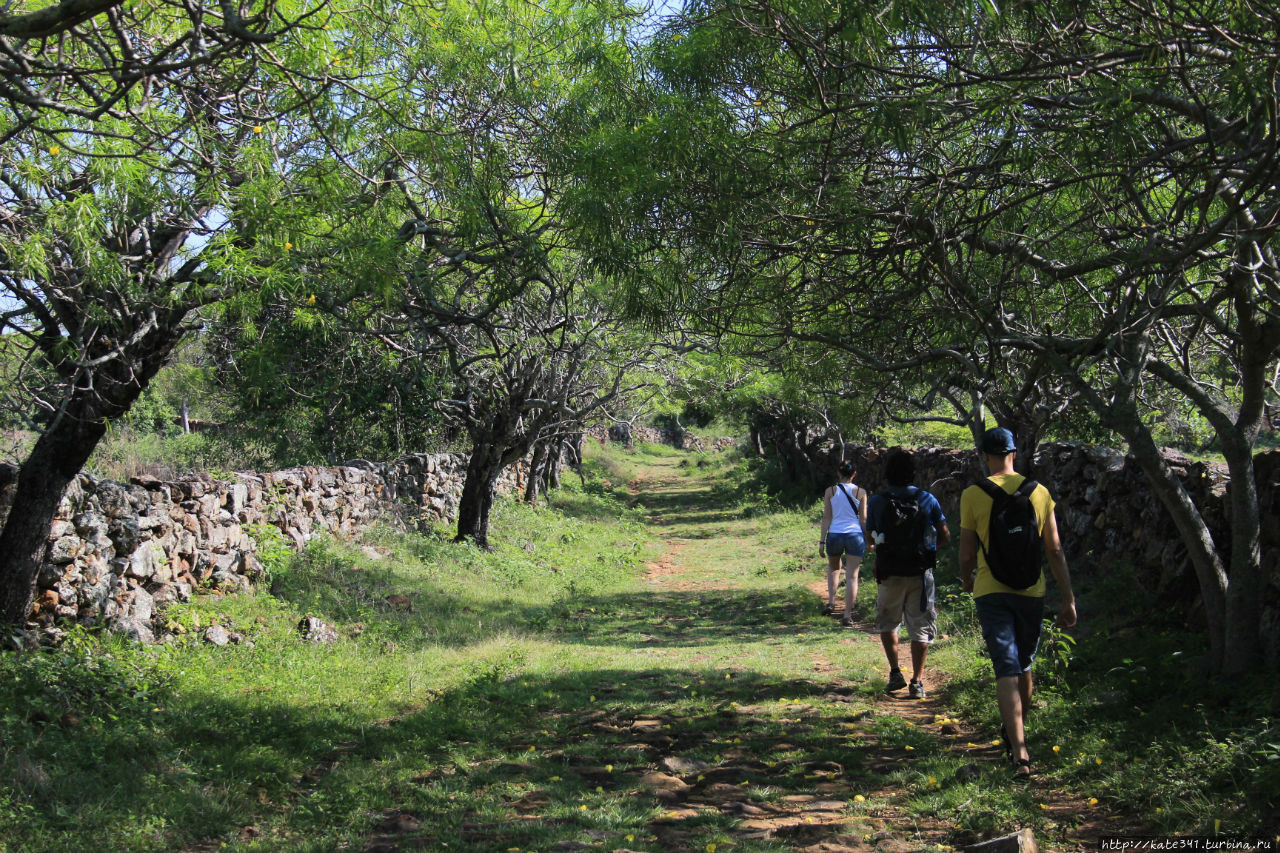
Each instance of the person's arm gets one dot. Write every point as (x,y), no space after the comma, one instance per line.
(862,518)
(1058,565)
(940,523)
(968,557)
(826,522)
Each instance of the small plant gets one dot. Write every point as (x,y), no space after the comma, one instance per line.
(1057,648)
(273,550)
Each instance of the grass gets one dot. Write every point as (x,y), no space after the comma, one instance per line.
(524,698)
(1135,724)
(158,747)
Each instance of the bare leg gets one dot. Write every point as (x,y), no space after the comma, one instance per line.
(1025,689)
(833,577)
(919,651)
(852,567)
(889,639)
(1012,711)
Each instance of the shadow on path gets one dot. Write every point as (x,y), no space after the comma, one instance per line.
(689,758)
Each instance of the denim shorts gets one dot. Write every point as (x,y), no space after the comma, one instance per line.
(1011,628)
(840,544)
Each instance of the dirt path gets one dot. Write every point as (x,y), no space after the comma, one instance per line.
(820,821)
(737,721)
(826,824)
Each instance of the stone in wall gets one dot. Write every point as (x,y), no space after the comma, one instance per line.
(1107,514)
(117,552)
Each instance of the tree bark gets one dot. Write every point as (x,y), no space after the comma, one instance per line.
(1246,584)
(53,463)
(555,462)
(483,469)
(1204,554)
(537,474)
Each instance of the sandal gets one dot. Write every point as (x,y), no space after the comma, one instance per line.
(1022,768)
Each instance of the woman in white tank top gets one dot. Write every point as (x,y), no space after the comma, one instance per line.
(842,541)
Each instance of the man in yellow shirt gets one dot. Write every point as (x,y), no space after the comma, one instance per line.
(1010,618)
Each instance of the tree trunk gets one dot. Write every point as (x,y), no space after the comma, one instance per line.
(977,420)
(60,453)
(483,469)
(53,463)
(575,448)
(555,461)
(1246,583)
(533,485)
(1026,437)
(1195,534)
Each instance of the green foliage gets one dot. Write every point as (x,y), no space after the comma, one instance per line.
(320,390)
(125,454)
(924,434)
(81,676)
(1057,647)
(273,551)
(152,413)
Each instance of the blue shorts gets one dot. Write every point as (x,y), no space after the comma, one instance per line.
(840,544)
(1011,628)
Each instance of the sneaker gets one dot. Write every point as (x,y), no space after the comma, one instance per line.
(896,681)
(917,690)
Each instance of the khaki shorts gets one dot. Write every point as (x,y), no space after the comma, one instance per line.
(909,599)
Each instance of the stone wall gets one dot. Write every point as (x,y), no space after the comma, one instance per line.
(626,434)
(1107,514)
(116,552)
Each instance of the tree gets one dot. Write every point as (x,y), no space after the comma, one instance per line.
(469,271)
(528,365)
(84,59)
(139,178)
(317,382)
(1079,198)
(1137,214)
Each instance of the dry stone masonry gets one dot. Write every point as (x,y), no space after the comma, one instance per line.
(118,552)
(1108,516)
(1105,509)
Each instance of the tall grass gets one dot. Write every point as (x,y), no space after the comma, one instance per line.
(113,746)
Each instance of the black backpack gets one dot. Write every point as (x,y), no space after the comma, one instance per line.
(903,523)
(1013,550)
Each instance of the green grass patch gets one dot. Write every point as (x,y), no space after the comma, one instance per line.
(521,698)
(115,746)
(1124,715)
